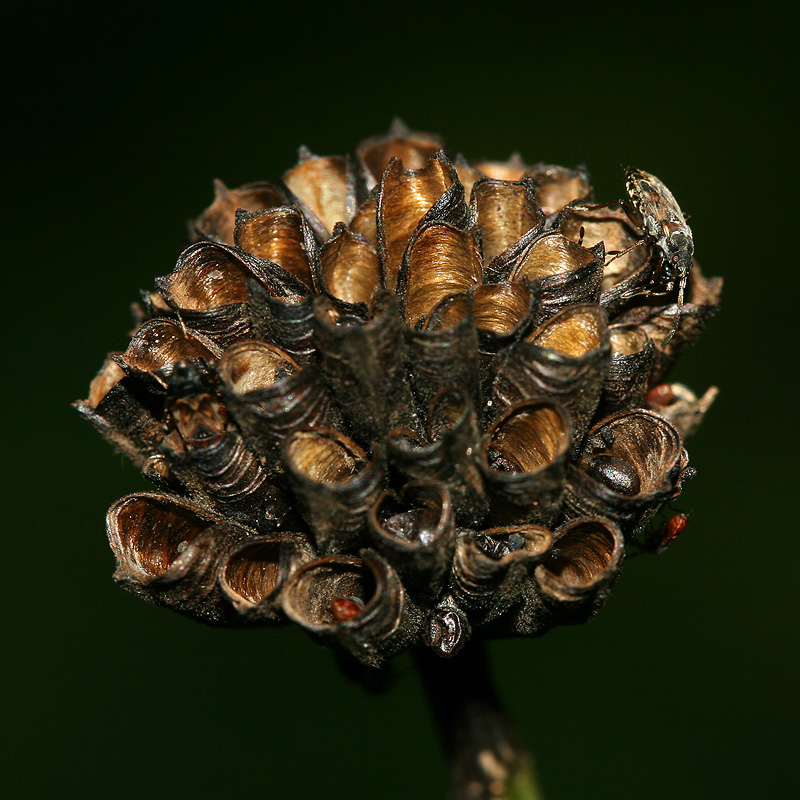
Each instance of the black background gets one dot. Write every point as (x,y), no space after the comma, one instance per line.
(118,121)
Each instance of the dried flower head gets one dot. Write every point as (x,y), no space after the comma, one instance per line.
(401,399)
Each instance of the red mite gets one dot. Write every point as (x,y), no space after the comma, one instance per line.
(344,608)
(669,532)
(660,395)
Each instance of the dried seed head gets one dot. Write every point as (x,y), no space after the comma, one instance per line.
(399,399)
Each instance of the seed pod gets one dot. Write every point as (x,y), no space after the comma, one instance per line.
(563,273)
(513,169)
(208,290)
(217,222)
(680,405)
(349,270)
(556,186)
(335,484)
(490,568)
(447,456)
(384,621)
(270,396)
(281,236)
(564,361)
(168,552)
(413,148)
(632,463)
(324,189)
(522,458)
(254,572)
(365,221)
(506,211)
(415,531)
(576,577)
(447,628)
(628,370)
(444,353)
(410,197)
(364,367)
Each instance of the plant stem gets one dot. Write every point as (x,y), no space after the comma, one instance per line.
(487,760)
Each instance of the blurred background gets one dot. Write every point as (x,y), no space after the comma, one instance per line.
(683,686)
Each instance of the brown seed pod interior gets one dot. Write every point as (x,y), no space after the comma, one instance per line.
(574,331)
(325,456)
(551,254)
(249,366)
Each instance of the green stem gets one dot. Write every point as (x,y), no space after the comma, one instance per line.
(486,758)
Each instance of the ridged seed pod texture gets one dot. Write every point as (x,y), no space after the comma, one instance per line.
(402,398)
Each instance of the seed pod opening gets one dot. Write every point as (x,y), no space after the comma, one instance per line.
(556,186)
(349,267)
(414,149)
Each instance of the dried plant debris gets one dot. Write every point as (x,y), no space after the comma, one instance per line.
(400,399)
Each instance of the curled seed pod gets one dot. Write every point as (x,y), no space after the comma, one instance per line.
(335,484)
(364,367)
(270,396)
(506,211)
(217,222)
(208,289)
(444,353)
(628,370)
(410,197)
(513,169)
(563,272)
(123,412)
(447,456)
(413,148)
(632,463)
(349,270)
(523,458)
(680,405)
(415,531)
(447,629)
(253,573)
(386,621)
(167,552)
(281,236)
(365,221)
(324,189)
(564,361)
(576,577)
(491,568)
(556,186)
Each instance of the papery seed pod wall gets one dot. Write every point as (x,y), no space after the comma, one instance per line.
(402,398)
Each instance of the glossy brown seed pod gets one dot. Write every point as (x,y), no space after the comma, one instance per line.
(270,396)
(491,567)
(680,405)
(513,169)
(324,189)
(506,211)
(411,197)
(444,353)
(217,222)
(447,628)
(349,270)
(632,463)
(382,621)
(576,577)
(363,364)
(628,369)
(556,186)
(208,290)
(253,573)
(563,361)
(281,236)
(523,458)
(562,272)
(168,551)
(123,412)
(413,148)
(445,455)
(335,483)
(415,532)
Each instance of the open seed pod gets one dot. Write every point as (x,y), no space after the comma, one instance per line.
(168,552)
(415,531)
(632,463)
(357,604)
(254,572)
(360,358)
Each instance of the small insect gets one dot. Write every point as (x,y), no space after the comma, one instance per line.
(660,395)
(344,608)
(663,220)
(659,541)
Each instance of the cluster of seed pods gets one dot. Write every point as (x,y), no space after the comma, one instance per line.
(400,399)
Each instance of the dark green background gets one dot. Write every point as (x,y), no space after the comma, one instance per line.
(682,687)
